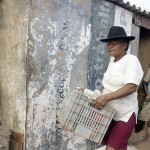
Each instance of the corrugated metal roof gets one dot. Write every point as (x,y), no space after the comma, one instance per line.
(133,8)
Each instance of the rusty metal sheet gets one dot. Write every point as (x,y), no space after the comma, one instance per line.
(146,22)
(141,21)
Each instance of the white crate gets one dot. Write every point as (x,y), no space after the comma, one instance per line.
(77,116)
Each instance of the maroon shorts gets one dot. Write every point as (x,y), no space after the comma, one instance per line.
(118,133)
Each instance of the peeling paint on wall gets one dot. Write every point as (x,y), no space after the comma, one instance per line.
(57,38)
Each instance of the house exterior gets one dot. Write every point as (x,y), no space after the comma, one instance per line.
(48,48)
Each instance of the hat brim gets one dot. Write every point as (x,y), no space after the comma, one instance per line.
(128,38)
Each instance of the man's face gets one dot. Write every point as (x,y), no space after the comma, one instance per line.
(116,48)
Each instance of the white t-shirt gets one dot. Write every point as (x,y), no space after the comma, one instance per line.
(127,70)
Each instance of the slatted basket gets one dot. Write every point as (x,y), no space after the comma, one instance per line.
(78,116)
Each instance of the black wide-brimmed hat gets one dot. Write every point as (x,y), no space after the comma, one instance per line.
(117,32)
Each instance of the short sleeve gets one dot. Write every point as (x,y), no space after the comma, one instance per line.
(133,72)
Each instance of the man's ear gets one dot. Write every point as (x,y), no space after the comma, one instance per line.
(125,45)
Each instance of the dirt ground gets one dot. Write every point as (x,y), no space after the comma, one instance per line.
(144,145)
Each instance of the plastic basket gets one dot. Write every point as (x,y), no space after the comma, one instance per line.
(77,116)
(4,138)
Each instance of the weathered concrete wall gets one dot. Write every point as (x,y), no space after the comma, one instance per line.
(135,43)
(102,18)
(13,47)
(59,36)
(63,51)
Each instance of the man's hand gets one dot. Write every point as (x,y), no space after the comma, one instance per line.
(100,102)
